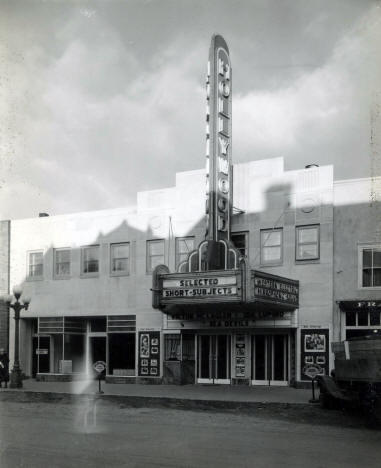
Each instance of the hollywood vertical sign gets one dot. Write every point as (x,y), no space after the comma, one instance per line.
(218,141)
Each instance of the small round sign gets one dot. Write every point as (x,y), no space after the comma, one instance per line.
(312,371)
(99,366)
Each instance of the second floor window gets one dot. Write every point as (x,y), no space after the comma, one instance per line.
(35,264)
(90,259)
(370,262)
(239,240)
(120,258)
(155,254)
(307,243)
(271,246)
(61,262)
(184,245)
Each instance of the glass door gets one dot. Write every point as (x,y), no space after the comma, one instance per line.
(270,360)
(214,359)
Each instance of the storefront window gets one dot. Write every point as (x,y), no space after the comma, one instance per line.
(121,353)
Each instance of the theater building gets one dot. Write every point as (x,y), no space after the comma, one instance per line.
(227,277)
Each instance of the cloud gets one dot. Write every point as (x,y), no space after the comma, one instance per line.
(93,115)
(323,116)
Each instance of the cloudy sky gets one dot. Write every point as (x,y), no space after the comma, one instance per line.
(102,99)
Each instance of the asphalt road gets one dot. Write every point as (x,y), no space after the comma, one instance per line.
(49,435)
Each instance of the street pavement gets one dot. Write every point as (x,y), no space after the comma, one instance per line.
(264,394)
(100,433)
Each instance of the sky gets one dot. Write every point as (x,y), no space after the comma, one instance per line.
(101,99)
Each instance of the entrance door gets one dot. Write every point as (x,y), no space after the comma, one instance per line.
(97,351)
(214,359)
(270,360)
(41,355)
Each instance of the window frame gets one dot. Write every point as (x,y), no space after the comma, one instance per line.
(91,274)
(120,273)
(361,248)
(55,274)
(28,265)
(271,262)
(246,235)
(148,256)
(177,253)
(297,244)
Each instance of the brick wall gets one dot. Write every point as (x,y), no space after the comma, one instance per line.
(4,281)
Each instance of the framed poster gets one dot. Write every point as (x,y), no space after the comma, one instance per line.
(149,354)
(314,349)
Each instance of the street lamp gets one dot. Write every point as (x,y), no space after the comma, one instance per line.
(16,380)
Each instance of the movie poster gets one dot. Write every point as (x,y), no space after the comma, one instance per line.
(314,352)
(149,354)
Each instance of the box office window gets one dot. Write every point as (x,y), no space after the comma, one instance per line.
(61,263)
(370,267)
(271,246)
(172,347)
(240,242)
(184,245)
(35,264)
(307,243)
(155,254)
(90,260)
(120,258)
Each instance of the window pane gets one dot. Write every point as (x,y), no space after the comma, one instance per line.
(366,277)
(62,256)
(239,241)
(271,238)
(377,277)
(172,348)
(367,258)
(350,319)
(374,317)
(120,264)
(156,260)
(307,235)
(91,253)
(156,248)
(35,264)
(363,319)
(377,257)
(185,245)
(120,258)
(90,259)
(307,251)
(271,254)
(120,251)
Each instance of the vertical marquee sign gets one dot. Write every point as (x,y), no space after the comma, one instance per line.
(218,141)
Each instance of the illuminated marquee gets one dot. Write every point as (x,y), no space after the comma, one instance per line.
(199,287)
(218,140)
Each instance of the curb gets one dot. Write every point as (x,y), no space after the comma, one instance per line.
(146,401)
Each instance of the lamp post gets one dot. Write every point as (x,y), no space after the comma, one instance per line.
(17,306)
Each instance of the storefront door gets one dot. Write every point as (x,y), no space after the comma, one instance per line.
(270,360)
(41,355)
(214,359)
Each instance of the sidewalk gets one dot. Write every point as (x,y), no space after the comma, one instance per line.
(181,394)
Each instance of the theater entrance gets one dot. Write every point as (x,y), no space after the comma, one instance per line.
(269,360)
(213,359)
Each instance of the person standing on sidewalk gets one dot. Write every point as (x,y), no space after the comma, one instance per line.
(4,368)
